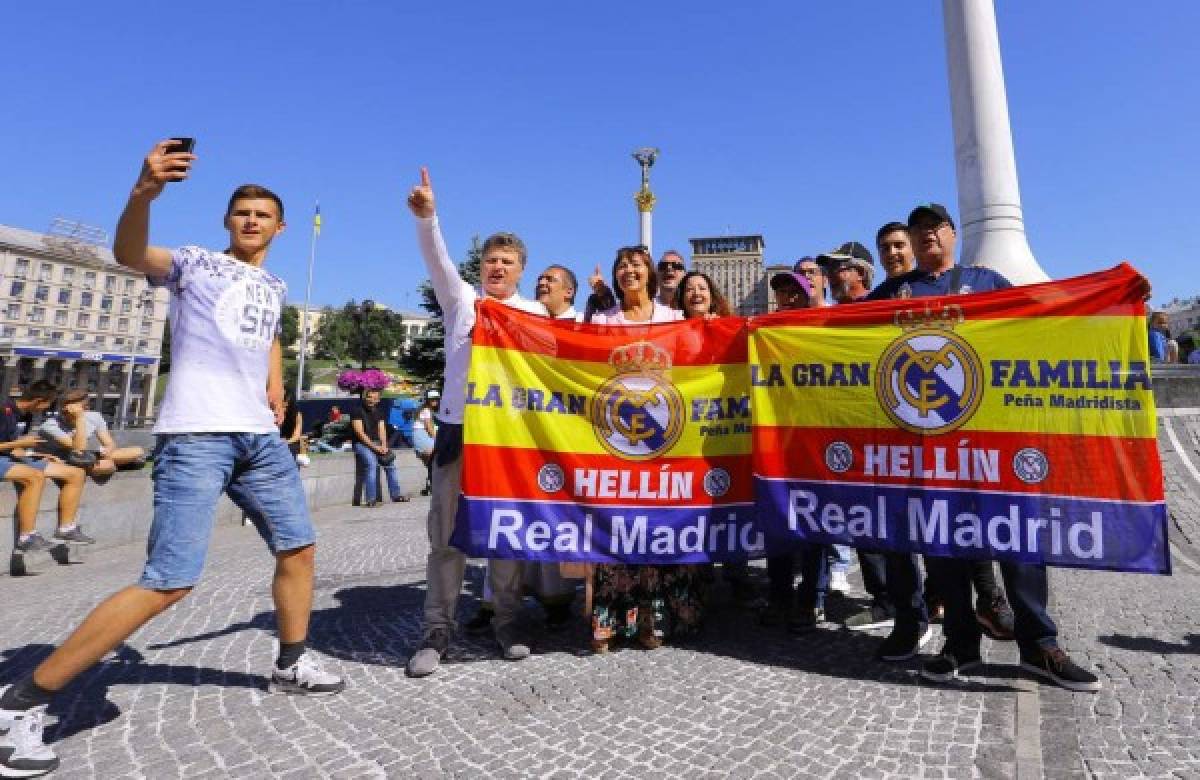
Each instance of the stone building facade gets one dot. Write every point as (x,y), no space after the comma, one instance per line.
(735,264)
(70,314)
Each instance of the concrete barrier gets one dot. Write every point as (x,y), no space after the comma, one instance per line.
(119,511)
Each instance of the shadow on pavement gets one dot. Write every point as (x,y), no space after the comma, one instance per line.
(1146,644)
(85,705)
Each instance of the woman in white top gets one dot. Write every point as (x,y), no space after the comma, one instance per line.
(635,284)
(646,602)
(424,430)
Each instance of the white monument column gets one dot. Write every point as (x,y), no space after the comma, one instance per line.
(991,225)
(645,199)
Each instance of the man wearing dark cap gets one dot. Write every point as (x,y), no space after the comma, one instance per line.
(933,238)
(852,278)
(801,610)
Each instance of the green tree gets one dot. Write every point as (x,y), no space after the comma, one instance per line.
(425,358)
(290,327)
(164,351)
(340,335)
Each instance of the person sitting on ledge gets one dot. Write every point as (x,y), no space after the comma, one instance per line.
(71,431)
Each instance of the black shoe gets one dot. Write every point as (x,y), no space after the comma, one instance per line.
(1055,665)
(805,620)
(775,614)
(904,642)
(400,499)
(557,615)
(481,623)
(35,542)
(947,666)
(996,619)
(74,536)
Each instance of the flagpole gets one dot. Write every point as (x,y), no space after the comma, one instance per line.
(312,259)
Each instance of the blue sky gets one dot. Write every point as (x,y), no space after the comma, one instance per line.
(809,123)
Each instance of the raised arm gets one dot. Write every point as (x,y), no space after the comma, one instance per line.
(131,244)
(448,285)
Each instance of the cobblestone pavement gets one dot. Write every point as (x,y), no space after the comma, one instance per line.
(186,697)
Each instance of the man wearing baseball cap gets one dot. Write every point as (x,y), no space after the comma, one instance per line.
(851,270)
(931,229)
(800,610)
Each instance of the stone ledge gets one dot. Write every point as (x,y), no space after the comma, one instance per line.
(119,512)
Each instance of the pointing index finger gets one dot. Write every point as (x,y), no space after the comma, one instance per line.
(425,177)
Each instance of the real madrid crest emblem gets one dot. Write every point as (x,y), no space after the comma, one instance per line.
(929,380)
(638,414)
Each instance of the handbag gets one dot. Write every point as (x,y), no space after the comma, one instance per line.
(388,459)
(80,459)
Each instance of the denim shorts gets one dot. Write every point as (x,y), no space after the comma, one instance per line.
(8,461)
(191,470)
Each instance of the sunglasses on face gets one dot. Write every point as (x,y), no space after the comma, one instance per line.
(675,266)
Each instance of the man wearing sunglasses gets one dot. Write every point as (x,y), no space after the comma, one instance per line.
(671,269)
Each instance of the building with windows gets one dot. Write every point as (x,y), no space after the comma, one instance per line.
(735,264)
(70,314)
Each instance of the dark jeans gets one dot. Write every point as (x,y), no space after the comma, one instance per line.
(903,581)
(1028,592)
(814,572)
(874,573)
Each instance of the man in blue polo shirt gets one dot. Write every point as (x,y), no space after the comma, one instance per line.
(933,238)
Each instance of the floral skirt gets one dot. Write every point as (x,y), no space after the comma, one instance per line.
(668,598)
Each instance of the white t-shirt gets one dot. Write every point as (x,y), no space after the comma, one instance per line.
(225,314)
(457,299)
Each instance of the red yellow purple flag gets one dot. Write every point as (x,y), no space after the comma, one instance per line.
(602,443)
(1013,425)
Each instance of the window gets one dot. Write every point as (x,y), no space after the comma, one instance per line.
(126,305)
(56,336)
(103,321)
(68,274)
(37,314)
(78,337)
(129,283)
(44,272)
(89,279)
(145,329)
(106,303)
(85,300)
(9,332)
(64,297)
(42,293)
(123,325)
(14,311)
(83,320)
(110,283)
(17,289)
(99,341)
(34,333)
(22,269)
(142,344)
(60,317)
(119,342)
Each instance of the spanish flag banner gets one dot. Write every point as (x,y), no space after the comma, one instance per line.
(1013,425)
(602,443)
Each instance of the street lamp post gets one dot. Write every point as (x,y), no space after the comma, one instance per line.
(364,311)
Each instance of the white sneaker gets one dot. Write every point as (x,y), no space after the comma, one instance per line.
(307,677)
(838,583)
(22,751)
(303,459)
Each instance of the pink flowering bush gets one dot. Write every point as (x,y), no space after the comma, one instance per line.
(354,380)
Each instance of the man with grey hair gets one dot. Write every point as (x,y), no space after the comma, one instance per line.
(671,268)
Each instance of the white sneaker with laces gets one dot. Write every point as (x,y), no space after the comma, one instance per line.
(305,677)
(22,751)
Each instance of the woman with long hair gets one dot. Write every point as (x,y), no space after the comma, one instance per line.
(698,296)
(644,602)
